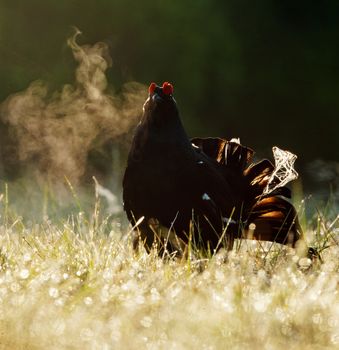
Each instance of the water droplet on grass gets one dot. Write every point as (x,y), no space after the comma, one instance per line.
(305,263)
(24,274)
(146,322)
(53,292)
(27,257)
(15,287)
(88,301)
(86,334)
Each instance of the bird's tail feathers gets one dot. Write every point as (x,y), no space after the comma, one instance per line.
(269,215)
(230,153)
(236,156)
(212,146)
(258,175)
(274,219)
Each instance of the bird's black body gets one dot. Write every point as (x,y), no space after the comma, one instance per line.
(199,187)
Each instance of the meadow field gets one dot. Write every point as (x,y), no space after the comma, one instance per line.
(74,282)
(69,276)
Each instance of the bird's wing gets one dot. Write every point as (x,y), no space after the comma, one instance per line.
(207,190)
(229,153)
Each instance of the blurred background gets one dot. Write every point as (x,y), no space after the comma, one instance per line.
(264,71)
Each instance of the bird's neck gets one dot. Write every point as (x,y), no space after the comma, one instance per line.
(151,139)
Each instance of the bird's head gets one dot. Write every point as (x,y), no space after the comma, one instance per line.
(160,106)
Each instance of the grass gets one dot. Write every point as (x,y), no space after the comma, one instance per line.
(74,282)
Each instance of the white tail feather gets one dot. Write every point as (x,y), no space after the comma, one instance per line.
(284,171)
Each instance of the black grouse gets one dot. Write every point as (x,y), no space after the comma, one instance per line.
(203,189)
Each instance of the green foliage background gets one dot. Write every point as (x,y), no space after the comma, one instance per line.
(266,71)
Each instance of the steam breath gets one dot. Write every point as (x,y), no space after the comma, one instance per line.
(55,132)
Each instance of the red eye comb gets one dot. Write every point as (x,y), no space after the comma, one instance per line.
(167,88)
(152,88)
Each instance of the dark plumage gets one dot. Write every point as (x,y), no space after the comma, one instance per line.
(199,186)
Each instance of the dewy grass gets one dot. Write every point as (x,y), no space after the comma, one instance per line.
(76,283)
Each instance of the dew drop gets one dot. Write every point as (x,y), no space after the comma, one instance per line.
(24,274)
(335,339)
(305,263)
(88,301)
(27,257)
(53,292)
(146,322)
(15,287)
(86,334)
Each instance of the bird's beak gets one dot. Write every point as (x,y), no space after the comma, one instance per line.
(157,98)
